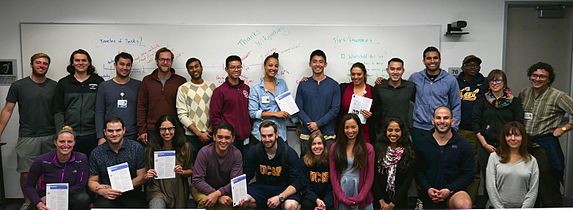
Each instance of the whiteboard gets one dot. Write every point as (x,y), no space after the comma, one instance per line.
(343,45)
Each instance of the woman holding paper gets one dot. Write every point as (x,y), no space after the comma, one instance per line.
(262,102)
(357,88)
(60,166)
(169,192)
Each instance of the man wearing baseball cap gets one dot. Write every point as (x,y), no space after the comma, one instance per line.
(472,86)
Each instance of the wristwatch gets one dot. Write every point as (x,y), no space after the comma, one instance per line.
(281,199)
(564,129)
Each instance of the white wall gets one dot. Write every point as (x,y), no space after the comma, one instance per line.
(485,24)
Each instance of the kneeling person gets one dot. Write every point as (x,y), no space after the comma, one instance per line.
(444,166)
(217,163)
(116,150)
(277,169)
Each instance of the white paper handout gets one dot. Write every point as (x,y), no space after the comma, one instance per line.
(164,163)
(286,103)
(239,188)
(57,196)
(119,177)
(358,104)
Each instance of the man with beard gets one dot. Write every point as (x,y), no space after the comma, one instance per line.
(444,166)
(157,94)
(434,87)
(192,104)
(36,131)
(277,170)
(117,97)
(545,109)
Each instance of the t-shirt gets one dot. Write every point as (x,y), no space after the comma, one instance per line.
(34,106)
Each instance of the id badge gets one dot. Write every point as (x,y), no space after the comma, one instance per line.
(121,104)
(265,99)
(528,116)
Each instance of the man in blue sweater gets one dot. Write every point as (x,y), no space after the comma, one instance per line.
(444,166)
(278,172)
(434,87)
(318,100)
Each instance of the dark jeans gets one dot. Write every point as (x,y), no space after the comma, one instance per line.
(196,144)
(549,194)
(79,201)
(85,144)
(130,199)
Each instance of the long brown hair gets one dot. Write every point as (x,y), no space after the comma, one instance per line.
(359,150)
(309,158)
(512,128)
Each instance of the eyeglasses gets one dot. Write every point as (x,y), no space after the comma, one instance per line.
(164,60)
(166,129)
(496,81)
(472,65)
(539,76)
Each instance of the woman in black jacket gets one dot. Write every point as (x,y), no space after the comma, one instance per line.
(394,169)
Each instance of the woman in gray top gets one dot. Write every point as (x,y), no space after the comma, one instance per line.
(512,175)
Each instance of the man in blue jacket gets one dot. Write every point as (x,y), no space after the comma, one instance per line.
(434,87)
(444,166)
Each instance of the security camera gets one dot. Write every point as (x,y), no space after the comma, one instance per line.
(455,28)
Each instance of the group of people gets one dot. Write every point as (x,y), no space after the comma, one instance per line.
(428,129)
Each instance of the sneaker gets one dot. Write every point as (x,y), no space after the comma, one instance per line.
(26,206)
(419,204)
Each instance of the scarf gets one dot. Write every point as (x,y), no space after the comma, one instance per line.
(501,102)
(389,165)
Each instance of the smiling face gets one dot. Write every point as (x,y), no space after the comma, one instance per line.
(432,60)
(195,70)
(317,147)
(123,67)
(471,68)
(539,79)
(223,139)
(442,120)
(268,137)
(271,67)
(114,132)
(496,85)
(65,144)
(395,71)
(40,66)
(167,131)
(357,75)
(80,62)
(393,133)
(234,69)
(351,129)
(514,140)
(164,62)
(317,64)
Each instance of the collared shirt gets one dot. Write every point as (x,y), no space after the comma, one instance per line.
(544,113)
(102,157)
(262,100)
